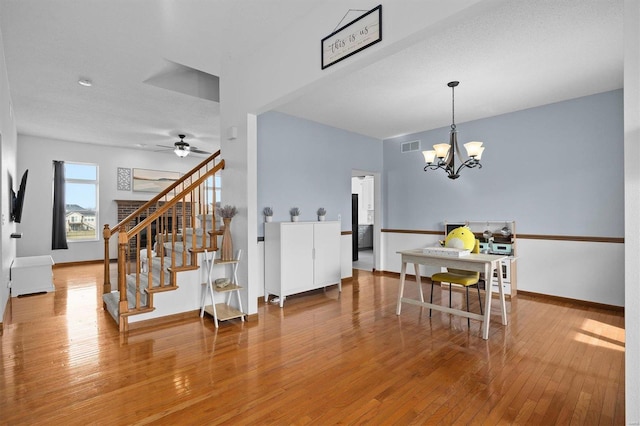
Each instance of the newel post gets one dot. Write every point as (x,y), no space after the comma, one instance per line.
(106,234)
(123,306)
(122,278)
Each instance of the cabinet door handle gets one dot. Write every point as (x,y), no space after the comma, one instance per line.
(313,253)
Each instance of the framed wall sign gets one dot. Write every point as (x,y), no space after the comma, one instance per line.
(353,37)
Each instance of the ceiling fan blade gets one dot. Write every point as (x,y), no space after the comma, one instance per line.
(199,151)
(165,147)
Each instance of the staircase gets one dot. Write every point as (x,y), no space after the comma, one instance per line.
(160,240)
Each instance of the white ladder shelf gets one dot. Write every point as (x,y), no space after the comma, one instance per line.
(221,311)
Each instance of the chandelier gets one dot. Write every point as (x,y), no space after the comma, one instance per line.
(447,153)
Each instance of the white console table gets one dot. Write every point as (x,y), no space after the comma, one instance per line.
(31,274)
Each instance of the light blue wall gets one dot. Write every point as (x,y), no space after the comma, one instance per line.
(308,165)
(555,169)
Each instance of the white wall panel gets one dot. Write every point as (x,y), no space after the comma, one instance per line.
(394,242)
(577,270)
(586,271)
(346,264)
(632,205)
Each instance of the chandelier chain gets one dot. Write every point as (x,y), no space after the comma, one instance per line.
(453,108)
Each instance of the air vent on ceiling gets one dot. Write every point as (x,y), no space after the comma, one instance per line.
(410,146)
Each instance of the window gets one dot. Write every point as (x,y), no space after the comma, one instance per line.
(81,201)
(213,187)
(217,187)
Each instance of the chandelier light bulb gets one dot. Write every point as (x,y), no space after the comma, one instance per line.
(442,149)
(429,156)
(473,148)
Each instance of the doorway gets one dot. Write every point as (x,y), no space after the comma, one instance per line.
(363,220)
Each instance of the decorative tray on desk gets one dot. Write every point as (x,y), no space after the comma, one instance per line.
(446,251)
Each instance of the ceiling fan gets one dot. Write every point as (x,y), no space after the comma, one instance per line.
(182,148)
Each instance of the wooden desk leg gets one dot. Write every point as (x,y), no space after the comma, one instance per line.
(488,273)
(419,281)
(503,305)
(403,272)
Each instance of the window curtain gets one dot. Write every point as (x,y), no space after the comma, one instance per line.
(59,231)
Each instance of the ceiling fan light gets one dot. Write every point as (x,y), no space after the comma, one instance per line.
(181,151)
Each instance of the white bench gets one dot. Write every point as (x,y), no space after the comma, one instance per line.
(31,274)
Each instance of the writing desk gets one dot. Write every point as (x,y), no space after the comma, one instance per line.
(483,263)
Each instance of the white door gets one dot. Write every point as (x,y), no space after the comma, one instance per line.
(327,253)
(297,257)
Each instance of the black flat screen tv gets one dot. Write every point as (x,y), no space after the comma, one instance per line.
(18,199)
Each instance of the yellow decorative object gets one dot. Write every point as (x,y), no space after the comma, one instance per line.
(461,238)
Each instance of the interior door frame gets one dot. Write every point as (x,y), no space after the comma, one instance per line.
(377,215)
(354,226)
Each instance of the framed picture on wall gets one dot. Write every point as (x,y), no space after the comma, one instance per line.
(124,179)
(145,180)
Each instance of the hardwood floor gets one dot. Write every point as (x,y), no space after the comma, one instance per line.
(323,359)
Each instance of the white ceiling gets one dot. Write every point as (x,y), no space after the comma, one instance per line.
(513,55)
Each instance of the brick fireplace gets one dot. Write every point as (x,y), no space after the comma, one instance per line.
(127,207)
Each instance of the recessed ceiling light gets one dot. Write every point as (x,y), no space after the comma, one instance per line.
(84,82)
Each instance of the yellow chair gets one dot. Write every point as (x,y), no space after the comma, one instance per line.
(460,277)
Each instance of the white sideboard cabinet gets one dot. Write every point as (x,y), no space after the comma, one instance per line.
(300,256)
(31,274)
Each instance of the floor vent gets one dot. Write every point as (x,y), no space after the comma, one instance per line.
(410,146)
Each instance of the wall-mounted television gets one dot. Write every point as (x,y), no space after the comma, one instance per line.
(17,200)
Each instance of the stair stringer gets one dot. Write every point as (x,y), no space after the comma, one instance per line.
(186,298)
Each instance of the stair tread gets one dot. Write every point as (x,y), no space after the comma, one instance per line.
(142,310)
(161,289)
(183,268)
(202,249)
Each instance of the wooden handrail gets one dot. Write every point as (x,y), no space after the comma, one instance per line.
(158,197)
(161,210)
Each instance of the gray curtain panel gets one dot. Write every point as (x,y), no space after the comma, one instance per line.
(59,232)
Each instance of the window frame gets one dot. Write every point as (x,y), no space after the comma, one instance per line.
(96,183)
